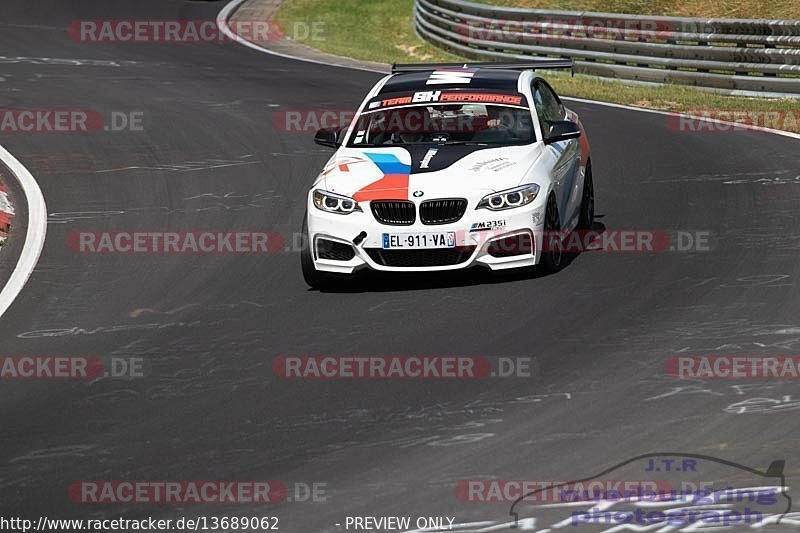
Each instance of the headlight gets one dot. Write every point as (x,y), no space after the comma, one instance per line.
(335,203)
(509,199)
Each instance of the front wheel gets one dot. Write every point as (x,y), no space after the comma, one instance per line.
(552,258)
(587,201)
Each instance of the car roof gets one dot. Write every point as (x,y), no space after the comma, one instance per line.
(452,78)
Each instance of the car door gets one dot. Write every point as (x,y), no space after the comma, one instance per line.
(565,154)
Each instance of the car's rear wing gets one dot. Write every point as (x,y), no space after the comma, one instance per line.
(541,64)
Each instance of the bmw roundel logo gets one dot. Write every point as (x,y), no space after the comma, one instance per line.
(418,194)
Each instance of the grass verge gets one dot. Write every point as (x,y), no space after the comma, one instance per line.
(383,32)
(747,9)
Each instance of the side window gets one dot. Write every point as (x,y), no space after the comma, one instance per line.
(548,107)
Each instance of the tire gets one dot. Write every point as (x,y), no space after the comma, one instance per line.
(552,258)
(314,278)
(587,201)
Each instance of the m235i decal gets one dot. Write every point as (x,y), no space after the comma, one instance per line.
(488,225)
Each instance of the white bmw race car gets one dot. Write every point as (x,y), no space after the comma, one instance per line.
(447,167)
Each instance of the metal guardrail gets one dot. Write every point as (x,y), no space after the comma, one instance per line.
(731,54)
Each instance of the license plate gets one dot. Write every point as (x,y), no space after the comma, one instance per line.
(418,241)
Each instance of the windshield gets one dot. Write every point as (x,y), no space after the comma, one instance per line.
(458,123)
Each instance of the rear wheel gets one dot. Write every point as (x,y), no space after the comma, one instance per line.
(552,258)
(587,202)
(314,278)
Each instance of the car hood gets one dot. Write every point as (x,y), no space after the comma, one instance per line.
(400,173)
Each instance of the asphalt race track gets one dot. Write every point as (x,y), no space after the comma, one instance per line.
(209,326)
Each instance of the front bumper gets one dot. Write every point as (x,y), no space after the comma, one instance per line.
(484,246)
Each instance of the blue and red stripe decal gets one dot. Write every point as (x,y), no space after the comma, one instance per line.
(394,183)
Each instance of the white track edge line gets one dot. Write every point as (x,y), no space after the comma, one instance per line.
(228,10)
(685,115)
(37,229)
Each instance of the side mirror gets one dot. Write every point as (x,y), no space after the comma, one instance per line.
(562,130)
(328,137)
